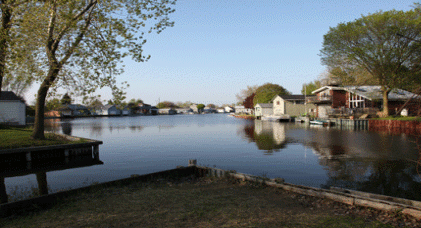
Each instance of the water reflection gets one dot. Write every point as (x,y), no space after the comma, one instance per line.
(268,136)
(366,161)
(13,165)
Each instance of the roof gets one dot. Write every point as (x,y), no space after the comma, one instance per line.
(265,105)
(292,97)
(74,107)
(295,97)
(375,93)
(9,96)
(372,92)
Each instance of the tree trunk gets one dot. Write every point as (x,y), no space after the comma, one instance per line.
(6,19)
(385,93)
(38,132)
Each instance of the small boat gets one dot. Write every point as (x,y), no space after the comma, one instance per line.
(318,122)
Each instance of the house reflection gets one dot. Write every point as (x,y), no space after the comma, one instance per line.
(268,136)
(11,165)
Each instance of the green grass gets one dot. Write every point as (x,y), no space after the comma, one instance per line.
(405,118)
(12,138)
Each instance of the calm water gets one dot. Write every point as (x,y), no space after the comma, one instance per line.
(317,157)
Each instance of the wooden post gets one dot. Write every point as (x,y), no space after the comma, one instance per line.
(3,194)
(42,183)
(192,162)
(28,157)
(96,152)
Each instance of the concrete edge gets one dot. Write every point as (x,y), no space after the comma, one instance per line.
(350,197)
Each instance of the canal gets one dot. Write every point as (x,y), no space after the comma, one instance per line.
(301,154)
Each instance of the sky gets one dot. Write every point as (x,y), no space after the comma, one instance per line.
(218,48)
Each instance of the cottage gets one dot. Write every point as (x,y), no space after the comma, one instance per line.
(292,105)
(263,109)
(12,109)
(71,110)
(356,100)
(111,110)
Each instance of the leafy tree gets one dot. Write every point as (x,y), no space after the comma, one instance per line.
(96,103)
(165,104)
(186,104)
(66,99)
(211,105)
(246,93)
(200,107)
(18,65)
(371,44)
(82,43)
(266,92)
(310,87)
(248,102)
(53,104)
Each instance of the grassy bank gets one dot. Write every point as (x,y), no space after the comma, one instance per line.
(12,137)
(201,203)
(404,118)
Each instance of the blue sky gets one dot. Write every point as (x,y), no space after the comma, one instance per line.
(218,48)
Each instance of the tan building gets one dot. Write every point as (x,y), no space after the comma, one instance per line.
(292,105)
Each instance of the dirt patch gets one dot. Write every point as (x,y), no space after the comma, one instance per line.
(204,202)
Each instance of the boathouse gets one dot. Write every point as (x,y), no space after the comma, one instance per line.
(263,109)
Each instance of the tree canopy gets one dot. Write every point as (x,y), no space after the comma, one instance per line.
(266,92)
(66,99)
(165,104)
(81,44)
(381,47)
(200,107)
(246,93)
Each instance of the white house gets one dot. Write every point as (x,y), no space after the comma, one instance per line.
(12,109)
(263,109)
(292,105)
(228,109)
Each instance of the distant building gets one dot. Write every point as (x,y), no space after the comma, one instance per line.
(167,111)
(12,109)
(240,109)
(229,109)
(70,110)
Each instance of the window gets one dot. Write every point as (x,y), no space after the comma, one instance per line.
(277,103)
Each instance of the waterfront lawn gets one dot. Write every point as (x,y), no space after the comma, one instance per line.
(207,202)
(13,137)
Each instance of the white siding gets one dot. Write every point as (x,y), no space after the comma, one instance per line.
(13,111)
(278,109)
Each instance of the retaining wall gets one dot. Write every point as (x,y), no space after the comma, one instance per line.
(395,126)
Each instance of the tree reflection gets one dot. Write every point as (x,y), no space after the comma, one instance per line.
(268,136)
(398,178)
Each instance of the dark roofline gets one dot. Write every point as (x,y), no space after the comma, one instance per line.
(10,96)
